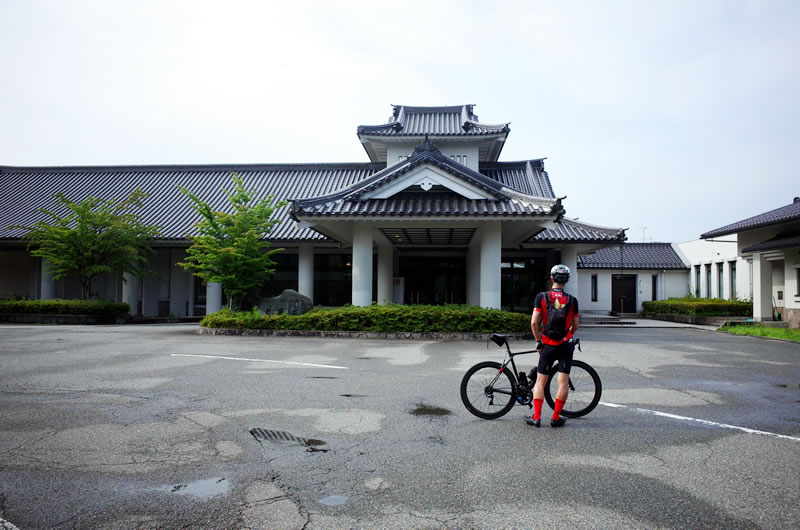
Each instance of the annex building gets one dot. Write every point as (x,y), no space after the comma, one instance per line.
(432,217)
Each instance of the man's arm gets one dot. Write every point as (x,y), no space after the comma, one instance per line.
(535,318)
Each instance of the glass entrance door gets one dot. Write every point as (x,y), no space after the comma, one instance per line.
(434,280)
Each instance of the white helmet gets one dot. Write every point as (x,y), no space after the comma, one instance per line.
(560,273)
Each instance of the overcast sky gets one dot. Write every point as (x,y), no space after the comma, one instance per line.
(670,118)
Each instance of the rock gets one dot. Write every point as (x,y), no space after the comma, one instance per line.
(289,302)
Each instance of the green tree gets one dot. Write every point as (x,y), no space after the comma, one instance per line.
(231,248)
(96,236)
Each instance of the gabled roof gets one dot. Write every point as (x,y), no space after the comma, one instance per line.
(505,201)
(648,256)
(572,231)
(780,215)
(777,243)
(456,120)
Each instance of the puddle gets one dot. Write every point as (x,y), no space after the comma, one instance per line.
(321,377)
(313,445)
(787,386)
(353,395)
(429,410)
(203,489)
(333,500)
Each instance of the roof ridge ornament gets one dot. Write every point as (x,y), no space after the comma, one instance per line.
(426,146)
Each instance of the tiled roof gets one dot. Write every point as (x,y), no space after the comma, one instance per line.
(433,121)
(569,230)
(780,215)
(634,256)
(526,176)
(24,190)
(507,202)
(774,244)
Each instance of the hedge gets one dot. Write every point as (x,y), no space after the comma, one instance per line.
(384,318)
(700,306)
(63,307)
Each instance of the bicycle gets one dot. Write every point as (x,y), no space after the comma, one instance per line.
(490,389)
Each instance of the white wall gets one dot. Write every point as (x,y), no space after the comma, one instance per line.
(670,284)
(704,253)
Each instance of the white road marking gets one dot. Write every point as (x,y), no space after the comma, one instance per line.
(698,420)
(259,360)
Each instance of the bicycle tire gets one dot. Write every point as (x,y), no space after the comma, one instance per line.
(480,399)
(586,395)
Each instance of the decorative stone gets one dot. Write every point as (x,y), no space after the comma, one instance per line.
(289,302)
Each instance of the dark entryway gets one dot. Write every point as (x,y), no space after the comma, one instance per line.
(521,279)
(623,293)
(434,280)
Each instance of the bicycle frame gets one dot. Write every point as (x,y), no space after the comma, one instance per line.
(509,359)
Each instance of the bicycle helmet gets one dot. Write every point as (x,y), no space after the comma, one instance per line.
(560,273)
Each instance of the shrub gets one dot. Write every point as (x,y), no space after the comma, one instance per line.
(384,318)
(700,306)
(64,307)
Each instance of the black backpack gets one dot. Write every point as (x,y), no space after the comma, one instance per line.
(556,327)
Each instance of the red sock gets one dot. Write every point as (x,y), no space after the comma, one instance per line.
(537,409)
(559,406)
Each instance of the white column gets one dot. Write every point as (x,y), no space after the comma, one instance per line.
(130,292)
(490,265)
(305,271)
(474,273)
(762,288)
(385,273)
(47,284)
(213,298)
(362,264)
(569,257)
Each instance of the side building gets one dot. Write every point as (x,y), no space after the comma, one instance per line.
(432,217)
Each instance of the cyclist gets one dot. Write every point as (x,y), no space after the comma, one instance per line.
(558,313)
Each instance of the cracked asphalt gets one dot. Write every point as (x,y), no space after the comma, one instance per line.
(149,426)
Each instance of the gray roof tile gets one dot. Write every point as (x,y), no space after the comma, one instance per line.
(634,256)
(569,230)
(780,215)
(777,243)
(434,121)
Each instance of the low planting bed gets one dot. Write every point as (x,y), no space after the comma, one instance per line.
(699,307)
(63,311)
(418,320)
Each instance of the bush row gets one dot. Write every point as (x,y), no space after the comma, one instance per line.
(63,307)
(700,306)
(384,318)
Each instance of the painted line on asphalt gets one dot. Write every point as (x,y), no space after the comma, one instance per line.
(260,360)
(698,420)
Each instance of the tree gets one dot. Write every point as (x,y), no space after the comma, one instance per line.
(231,248)
(96,236)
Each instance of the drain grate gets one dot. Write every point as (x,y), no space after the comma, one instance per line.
(267,435)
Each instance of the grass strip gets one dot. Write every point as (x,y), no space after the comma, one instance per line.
(764,331)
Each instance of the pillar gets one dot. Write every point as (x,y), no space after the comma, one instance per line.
(762,288)
(130,292)
(362,264)
(490,265)
(385,273)
(305,271)
(47,284)
(213,298)
(474,274)
(569,257)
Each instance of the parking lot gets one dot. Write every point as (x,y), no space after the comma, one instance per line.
(156,426)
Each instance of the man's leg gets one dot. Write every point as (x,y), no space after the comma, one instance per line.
(561,399)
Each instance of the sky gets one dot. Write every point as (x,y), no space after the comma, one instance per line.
(668,118)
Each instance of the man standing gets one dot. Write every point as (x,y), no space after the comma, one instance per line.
(558,313)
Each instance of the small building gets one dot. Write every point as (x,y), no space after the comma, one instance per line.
(620,278)
(770,244)
(433,217)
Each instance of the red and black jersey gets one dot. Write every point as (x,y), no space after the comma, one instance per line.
(556,299)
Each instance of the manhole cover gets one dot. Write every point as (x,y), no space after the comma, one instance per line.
(267,435)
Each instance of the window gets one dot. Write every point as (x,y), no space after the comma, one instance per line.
(594,287)
(720,289)
(733,280)
(697,281)
(708,281)
(655,287)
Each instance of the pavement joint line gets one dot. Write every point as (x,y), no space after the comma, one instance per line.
(698,420)
(333,366)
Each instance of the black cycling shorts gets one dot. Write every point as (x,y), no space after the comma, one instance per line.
(561,354)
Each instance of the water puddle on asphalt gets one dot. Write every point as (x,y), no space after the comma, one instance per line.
(429,410)
(203,489)
(333,500)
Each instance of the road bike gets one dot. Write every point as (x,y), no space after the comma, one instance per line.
(490,389)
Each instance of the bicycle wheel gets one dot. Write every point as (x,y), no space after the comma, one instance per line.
(487,392)
(584,389)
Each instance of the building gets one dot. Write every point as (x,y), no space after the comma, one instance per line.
(770,244)
(717,271)
(433,217)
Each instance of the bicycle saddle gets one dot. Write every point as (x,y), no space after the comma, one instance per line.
(498,338)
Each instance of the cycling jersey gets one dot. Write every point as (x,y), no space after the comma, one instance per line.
(559,299)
